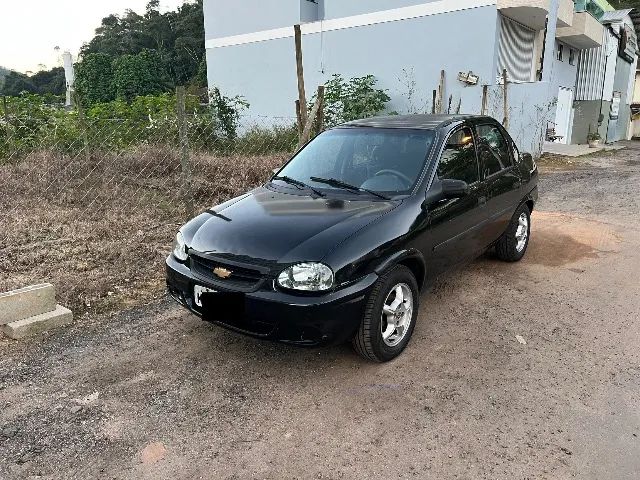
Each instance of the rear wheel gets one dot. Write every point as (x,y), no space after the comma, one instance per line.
(390,316)
(514,242)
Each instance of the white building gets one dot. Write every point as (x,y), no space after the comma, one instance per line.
(542,44)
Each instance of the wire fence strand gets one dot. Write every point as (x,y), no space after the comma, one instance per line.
(92,202)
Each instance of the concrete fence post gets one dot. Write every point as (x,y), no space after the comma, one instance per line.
(8,126)
(82,122)
(185,163)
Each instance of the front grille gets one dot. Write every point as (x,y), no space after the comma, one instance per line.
(243,278)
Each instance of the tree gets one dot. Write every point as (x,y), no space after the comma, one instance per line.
(16,83)
(52,82)
(177,37)
(94,78)
(138,75)
(620,4)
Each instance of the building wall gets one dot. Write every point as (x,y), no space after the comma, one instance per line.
(345,8)
(618,128)
(586,115)
(456,36)
(595,81)
(224,18)
(264,72)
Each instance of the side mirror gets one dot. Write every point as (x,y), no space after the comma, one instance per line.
(445,190)
(454,189)
(526,157)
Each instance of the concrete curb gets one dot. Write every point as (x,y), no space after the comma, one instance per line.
(27,302)
(37,324)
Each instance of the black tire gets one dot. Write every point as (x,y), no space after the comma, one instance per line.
(368,342)
(507,246)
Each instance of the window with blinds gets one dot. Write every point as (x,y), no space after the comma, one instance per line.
(516,51)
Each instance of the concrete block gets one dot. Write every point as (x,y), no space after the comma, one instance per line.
(27,302)
(38,324)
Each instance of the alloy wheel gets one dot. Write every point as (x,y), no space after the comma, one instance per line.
(522,232)
(397,313)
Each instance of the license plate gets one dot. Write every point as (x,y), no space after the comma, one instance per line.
(198,290)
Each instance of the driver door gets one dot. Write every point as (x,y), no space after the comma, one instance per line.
(454,226)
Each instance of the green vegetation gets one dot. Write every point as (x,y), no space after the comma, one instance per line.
(46,82)
(37,122)
(347,100)
(130,55)
(620,4)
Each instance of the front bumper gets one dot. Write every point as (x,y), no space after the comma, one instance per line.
(268,313)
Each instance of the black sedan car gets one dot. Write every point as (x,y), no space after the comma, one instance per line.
(339,243)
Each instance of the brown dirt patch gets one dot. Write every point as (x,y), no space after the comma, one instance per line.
(559,239)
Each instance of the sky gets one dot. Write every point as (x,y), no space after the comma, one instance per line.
(31,29)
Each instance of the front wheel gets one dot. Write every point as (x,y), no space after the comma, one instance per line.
(514,242)
(390,316)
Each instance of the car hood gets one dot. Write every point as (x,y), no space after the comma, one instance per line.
(273,226)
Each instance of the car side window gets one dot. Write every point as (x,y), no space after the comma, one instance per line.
(493,150)
(458,160)
(516,154)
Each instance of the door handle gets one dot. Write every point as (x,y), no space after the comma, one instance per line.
(482,201)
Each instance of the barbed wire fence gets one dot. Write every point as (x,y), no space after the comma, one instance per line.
(91,201)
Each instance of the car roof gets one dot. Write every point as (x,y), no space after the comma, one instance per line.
(421,122)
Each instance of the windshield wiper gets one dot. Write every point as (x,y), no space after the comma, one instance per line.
(297,183)
(334,182)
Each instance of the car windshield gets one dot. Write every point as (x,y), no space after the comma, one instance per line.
(373,160)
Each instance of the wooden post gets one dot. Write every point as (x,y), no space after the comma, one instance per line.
(306,134)
(459,105)
(441,92)
(5,106)
(505,104)
(320,120)
(449,104)
(433,104)
(185,164)
(302,96)
(483,109)
(299,120)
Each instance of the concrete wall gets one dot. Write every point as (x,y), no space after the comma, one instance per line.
(396,53)
(345,8)
(586,115)
(624,71)
(264,72)
(223,18)
(531,107)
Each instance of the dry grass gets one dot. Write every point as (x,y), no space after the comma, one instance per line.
(100,227)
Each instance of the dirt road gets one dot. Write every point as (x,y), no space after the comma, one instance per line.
(155,393)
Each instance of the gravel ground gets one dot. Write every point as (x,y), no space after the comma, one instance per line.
(155,393)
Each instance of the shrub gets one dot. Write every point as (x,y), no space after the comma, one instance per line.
(347,100)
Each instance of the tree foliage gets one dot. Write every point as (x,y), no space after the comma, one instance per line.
(129,56)
(139,75)
(177,37)
(48,82)
(620,4)
(94,78)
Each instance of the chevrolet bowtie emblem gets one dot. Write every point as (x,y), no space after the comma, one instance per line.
(222,272)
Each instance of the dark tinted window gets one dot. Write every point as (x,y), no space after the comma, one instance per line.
(493,150)
(458,161)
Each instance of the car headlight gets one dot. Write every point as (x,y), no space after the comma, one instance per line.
(309,277)
(180,248)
